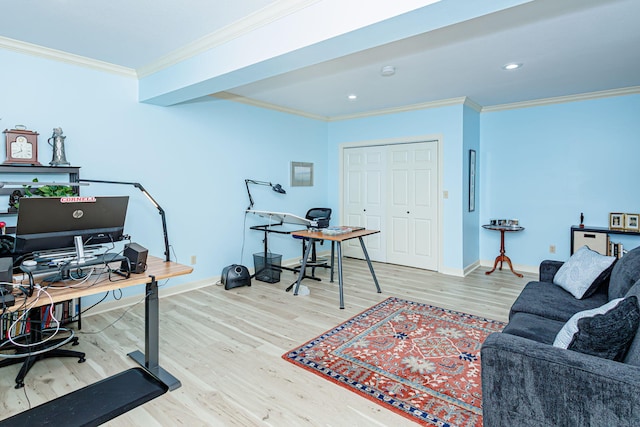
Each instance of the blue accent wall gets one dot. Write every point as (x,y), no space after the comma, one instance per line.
(444,123)
(545,165)
(471,220)
(193,158)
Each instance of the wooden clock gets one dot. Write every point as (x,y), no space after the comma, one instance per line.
(21,147)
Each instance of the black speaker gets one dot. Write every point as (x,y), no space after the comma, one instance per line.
(137,256)
(6,274)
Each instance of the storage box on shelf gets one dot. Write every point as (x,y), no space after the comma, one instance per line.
(599,239)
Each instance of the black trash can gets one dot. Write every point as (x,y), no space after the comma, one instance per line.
(267,270)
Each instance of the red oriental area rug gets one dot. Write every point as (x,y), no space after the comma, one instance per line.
(418,360)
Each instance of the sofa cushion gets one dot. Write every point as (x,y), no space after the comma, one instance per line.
(633,355)
(584,272)
(551,301)
(625,273)
(606,331)
(533,327)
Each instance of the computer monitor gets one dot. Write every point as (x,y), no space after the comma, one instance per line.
(46,223)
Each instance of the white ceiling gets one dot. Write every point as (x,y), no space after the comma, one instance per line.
(567,47)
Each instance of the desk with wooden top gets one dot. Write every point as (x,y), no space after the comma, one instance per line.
(157,269)
(314,236)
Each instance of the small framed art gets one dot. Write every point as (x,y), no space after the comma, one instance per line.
(301,174)
(631,222)
(472,180)
(616,221)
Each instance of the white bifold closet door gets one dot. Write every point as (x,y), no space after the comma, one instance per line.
(394,188)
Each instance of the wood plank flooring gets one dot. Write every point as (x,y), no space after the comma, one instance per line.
(226,348)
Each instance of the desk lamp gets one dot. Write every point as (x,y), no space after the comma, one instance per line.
(151,199)
(277,188)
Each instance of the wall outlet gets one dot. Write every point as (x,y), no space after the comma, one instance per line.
(552,249)
(193,260)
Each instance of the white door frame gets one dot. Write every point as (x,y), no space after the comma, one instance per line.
(437,138)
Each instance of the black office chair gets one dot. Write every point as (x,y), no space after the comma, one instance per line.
(320,218)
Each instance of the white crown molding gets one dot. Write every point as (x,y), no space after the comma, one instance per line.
(563,99)
(249,101)
(247,24)
(69,58)
(413,107)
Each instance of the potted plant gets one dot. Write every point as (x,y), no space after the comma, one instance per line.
(45,191)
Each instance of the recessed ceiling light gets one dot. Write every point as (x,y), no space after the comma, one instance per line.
(388,70)
(512,66)
(352,97)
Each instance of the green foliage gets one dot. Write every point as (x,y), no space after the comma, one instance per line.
(47,191)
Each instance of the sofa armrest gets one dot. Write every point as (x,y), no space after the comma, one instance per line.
(526,383)
(548,269)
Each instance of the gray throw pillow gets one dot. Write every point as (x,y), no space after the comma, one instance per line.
(584,272)
(606,331)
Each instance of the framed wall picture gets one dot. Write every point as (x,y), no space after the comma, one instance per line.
(631,222)
(616,221)
(301,174)
(472,180)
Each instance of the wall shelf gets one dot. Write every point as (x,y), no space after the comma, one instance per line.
(72,171)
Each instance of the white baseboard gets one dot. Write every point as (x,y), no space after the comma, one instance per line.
(520,268)
(190,286)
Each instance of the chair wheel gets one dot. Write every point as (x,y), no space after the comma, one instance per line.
(82,360)
(19,384)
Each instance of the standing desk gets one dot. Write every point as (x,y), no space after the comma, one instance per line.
(157,269)
(334,238)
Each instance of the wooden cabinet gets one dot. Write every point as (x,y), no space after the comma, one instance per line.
(597,238)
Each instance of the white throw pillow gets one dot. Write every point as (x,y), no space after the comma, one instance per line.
(565,336)
(581,271)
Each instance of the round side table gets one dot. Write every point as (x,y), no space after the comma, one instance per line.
(503,257)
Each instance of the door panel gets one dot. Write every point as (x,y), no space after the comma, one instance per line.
(364,169)
(413,212)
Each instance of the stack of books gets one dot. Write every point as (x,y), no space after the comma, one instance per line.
(334,230)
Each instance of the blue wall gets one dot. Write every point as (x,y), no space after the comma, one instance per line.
(192,158)
(471,141)
(444,123)
(544,165)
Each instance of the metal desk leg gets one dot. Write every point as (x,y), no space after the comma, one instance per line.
(340,289)
(333,245)
(149,360)
(366,255)
(303,266)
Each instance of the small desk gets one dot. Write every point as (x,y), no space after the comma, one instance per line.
(338,238)
(503,257)
(157,269)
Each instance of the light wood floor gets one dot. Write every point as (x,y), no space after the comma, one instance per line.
(226,348)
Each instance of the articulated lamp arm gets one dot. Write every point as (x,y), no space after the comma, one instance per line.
(151,199)
(277,188)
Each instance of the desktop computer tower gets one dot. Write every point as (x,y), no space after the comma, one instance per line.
(137,256)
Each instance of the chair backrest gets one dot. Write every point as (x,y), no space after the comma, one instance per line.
(322,213)
(321,216)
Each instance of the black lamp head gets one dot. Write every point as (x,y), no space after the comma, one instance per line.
(278,189)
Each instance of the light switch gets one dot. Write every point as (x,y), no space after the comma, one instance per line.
(445,194)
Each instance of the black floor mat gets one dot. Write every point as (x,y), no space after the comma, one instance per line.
(94,404)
